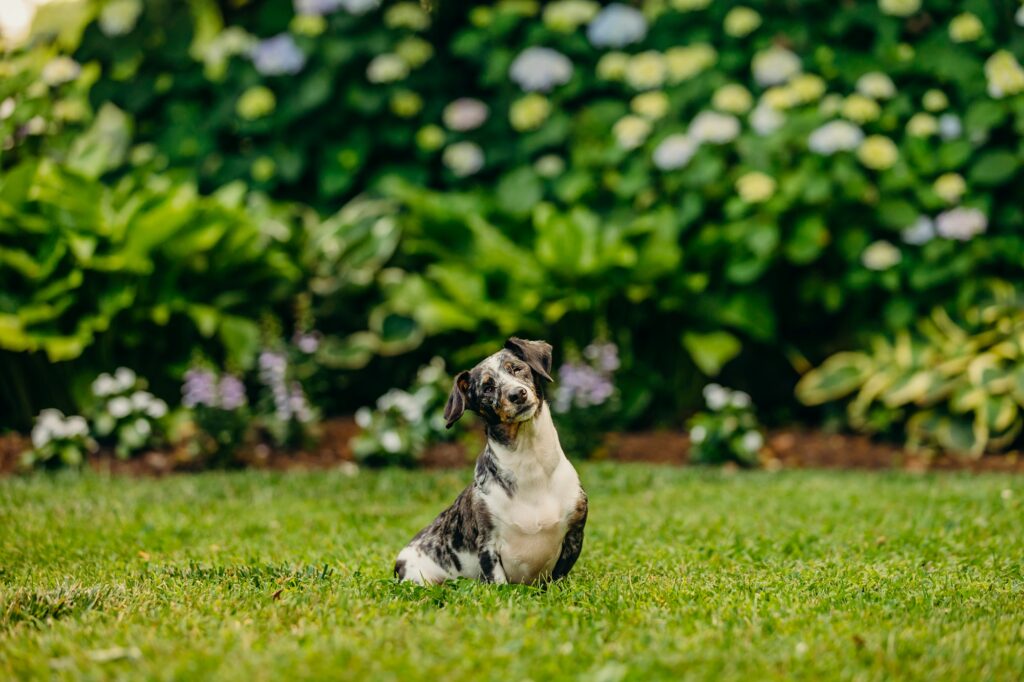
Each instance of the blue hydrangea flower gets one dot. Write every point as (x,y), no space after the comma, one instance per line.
(617,26)
(278,56)
(540,69)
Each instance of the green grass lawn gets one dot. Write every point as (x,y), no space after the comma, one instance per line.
(684,574)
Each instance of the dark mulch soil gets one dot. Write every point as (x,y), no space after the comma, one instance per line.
(792,448)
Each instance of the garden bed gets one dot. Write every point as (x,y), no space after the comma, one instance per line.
(789,448)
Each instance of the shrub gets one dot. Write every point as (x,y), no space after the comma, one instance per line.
(58,440)
(406,422)
(220,409)
(728,432)
(954,382)
(585,400)
(711,182)
(126,416)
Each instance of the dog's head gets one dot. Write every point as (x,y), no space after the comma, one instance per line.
(506,387)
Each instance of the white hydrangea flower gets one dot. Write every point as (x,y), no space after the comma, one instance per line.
(464,114)
(774,66)
(616,26)
(40,436)
(119,17)
(876,85)
(899,8)
(119,407)
(391,441)
(714,127)
(568,15)
(125,377)
(950,127)
(675,151)
(142,427)
(752,441)
(740,400)
(539,69)
(698,434)
(104,385)
(77,427)
(835,136)
(7,108)
(386,68)
(921,232)
(766,120)
(716,396)
(1004,74)
(960,223)
(141,400)
(157,409)
(463,158)
(950,187)
(364,417)
(631,131)
(880,255)
(60,70)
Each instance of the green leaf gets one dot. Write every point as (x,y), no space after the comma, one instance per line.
(104,146)
(519,191)
(711,351)
(993,168)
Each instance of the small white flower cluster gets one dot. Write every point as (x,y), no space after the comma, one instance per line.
(125,397)
(710,127)
(960,224)
(128,413)
(718,397)
(405,421)
(51,426)
(729,432)
(540,69)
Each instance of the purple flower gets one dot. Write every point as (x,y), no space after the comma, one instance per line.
(278,56)
(232,393)
(298,405)
(320,7)
(307,342)
(199,388)
(605,356)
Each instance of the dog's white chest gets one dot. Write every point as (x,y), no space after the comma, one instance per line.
(531,524)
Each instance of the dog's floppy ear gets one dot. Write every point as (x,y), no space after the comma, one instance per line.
(536,354)
(456,404)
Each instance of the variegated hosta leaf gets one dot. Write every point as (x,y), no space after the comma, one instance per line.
(837,377)
(911,388)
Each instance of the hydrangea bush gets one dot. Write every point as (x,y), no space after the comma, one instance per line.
(58,440)
(730,186)
(404,422)
(728,431)
(126,416)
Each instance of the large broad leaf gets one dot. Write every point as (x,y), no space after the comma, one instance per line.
(993,168)
(519,191)
(103,147)
(711,351)
(837,377)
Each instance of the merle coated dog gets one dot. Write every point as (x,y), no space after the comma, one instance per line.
(522,518)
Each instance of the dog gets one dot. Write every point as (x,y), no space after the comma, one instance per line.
(521,520)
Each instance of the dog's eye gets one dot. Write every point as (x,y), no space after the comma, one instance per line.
(488,385)
(512,369)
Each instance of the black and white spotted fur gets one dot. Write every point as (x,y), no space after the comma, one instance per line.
(522,518)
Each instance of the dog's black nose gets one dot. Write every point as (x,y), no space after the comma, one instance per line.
(517,395)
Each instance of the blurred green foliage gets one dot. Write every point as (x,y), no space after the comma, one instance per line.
(716,188)
(954,383)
